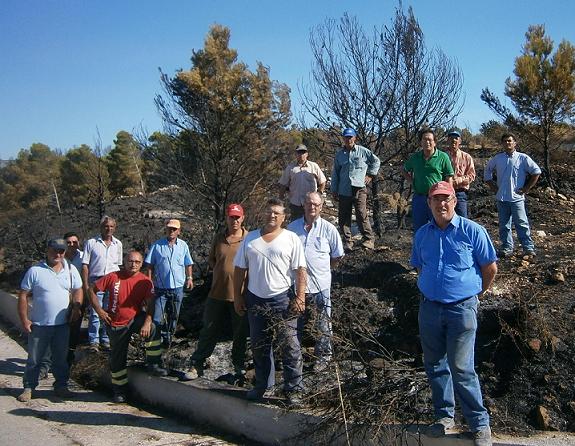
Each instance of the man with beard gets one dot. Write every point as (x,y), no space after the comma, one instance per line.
(57,290)
(267,260)
(456,263)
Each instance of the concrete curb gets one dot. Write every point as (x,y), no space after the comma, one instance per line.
(225,408)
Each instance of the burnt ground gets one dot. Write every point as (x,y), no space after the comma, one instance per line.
(525,351)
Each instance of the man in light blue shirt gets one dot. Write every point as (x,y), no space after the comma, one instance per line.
(354,167)
(57,290)
(170,267)
(456,263)
(323,248)
(511,175)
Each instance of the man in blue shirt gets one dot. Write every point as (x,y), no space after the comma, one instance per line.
(323,248)
(170,267)
(515,174)
(354,167)
(57,290)
(456,263)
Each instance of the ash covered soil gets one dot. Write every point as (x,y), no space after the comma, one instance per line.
(525,350)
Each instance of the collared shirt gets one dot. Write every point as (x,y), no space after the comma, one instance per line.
(450,260)
(51,292)
(428,172)
(301,179)
(511,171)
(270,265)
(127,295)
(169,262)
(350,168)
(321,244)
(221,260)
(77,260)
(102,258)
(464,169)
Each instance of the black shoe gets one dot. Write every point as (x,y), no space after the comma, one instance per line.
(503,254)
(156,370)
(119,397)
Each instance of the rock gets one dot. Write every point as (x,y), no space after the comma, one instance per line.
(535,345)
(542,418)
(557,344)
(556,277)
(540,234)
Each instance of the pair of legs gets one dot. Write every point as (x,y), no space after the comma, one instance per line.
(269,320)
(514,211)
(96,330)
(461,206)
(216,313)
(358,201)
(447,333)
(43,339)
(420,212)
(167,311)
(318,309)
(120,341)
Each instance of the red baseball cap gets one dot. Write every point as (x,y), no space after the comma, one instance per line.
(441,188)
(234,210)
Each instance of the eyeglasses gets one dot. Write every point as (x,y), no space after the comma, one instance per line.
(442,200)
(315,205)
(134,261)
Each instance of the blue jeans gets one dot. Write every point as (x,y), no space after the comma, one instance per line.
(42,338)
(318,308)
(461,206)
(420,212)
(167,310)
(96,330)
(447,333)
(269,319)
(509,211)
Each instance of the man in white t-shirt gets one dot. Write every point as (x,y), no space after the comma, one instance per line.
(57,290)
(271,259)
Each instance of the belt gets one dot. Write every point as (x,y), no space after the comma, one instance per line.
(446,304)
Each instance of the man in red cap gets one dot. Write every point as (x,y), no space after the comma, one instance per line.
(455,259)
(220,303)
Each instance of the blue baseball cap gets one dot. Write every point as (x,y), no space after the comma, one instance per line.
(348,132)
(454,133)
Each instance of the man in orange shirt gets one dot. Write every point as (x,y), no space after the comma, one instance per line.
(464,169)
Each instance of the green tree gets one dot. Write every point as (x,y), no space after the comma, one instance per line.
(228,124)
(30,180)
(124,166)
(84,177)
(542,92)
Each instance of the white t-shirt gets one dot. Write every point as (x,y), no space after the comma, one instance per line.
(102,259)
(270,265)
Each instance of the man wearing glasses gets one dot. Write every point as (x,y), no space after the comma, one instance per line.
(455,259)
(129,310)
(169,265)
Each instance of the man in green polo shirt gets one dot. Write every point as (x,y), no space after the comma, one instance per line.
(423,169)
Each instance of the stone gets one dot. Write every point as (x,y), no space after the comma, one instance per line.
(557,277)
(535,345)
(542,418)
(540,234)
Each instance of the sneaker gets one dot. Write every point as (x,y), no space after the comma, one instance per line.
(440,427)
(529,252)
(119,397)
(368,244)
(63,392)
(257,394)
(156,370)
(503,253)
(105,346)
(95,347)
(482,437)
(25,396)
(194,373)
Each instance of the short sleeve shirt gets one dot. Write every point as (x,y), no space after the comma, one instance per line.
(301,179)
(101,258)
(169,262)
(428,172)
(511,172)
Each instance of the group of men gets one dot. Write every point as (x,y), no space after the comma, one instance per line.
(266,279)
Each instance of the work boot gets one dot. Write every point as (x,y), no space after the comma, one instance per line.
(367,243)
(440,427)
(156,370)
(25,396)
(195,372)
(482,437)
(348,246)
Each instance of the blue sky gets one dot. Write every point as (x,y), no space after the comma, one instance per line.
(72,68)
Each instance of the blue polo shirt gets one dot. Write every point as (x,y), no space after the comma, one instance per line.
(350,168)
(511,171)
(51,292)
(169,263)
(321,244)
(450,260)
